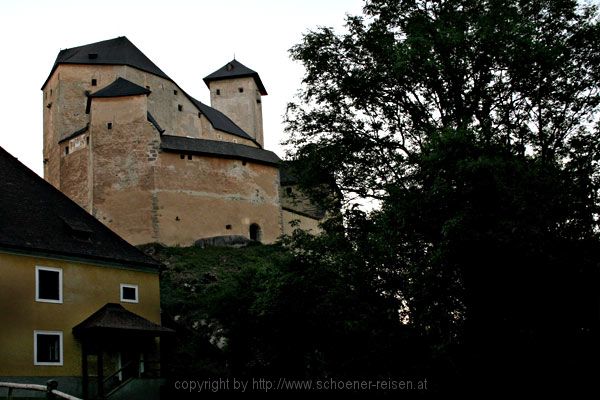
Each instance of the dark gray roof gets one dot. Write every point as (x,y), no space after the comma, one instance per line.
(151,119)
(117,51)
(72,135)
(219,120)
(181,144)
(121,87)
(235,69)
(37,218)
(115,318)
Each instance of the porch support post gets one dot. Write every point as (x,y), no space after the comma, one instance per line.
(85,382)
(100,371)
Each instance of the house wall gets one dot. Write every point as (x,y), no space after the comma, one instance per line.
(86,288)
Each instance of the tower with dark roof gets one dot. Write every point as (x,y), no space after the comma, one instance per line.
(236,90)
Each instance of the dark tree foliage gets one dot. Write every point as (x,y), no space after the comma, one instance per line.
(475,125)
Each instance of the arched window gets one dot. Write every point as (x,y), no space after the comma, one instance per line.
(255,232)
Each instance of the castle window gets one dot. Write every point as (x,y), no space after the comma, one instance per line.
(48,285)
(189,156)
(255,232)
(228,227)
(87,140)
(199,115)
(175,92)
(66,150)
(244,162)
(182,156)
(180,107)
(241,90)
(218,92)
(109,125)
(129,293)
(94,82)
(258,101)
(47,348)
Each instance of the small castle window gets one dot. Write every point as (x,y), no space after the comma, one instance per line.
(182,156)
(87,140)
(243,162)
(109,125)
(180,107)
(49,105)
(228,227)
(94,82)
(258,101)
(189,156)
(199,115)
(66,150)
(175,92)
(241,90)
(218,92)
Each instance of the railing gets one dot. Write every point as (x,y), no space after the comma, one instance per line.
(50,389)
(132,369)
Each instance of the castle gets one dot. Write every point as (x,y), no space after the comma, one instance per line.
(135,150)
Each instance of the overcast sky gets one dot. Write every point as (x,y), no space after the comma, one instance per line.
(186,39)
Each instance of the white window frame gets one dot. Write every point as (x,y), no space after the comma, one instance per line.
(37,284)
(61,348)
(137,293)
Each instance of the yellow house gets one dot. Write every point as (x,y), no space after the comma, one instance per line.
(78,304)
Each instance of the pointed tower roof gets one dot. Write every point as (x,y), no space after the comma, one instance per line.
(235,69)
(121,87)
(117,51)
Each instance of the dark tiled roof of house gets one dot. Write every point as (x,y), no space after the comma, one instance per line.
(151,119)
(72,135)
(235,69)
(37,218)
(121,87)
(114,317)
(117,51)
(181,144)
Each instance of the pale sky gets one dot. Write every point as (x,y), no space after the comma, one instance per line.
(186,39)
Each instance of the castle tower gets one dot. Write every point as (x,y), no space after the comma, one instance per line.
(236,91)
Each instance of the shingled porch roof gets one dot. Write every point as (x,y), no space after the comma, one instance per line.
(114,318)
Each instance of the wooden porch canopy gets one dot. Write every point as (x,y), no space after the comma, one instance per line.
(114,318)
(109,325)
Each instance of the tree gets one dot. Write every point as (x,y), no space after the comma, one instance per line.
(475,124)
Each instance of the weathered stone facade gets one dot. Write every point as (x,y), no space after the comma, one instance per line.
(103,147)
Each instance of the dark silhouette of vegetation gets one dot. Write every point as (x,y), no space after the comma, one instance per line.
(475,126)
